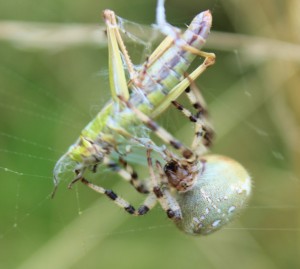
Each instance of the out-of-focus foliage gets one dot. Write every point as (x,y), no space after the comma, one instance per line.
(48,96)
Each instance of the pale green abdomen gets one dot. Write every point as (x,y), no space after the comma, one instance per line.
(221,192)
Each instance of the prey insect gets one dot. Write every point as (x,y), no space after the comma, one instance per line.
(129,117)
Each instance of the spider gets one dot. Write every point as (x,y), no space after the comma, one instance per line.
(199,193)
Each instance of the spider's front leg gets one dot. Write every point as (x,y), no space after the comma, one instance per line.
(202,135)
(148,204)
(197,101)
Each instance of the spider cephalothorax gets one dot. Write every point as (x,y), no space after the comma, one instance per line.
(180,176)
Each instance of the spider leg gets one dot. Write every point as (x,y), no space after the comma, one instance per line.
(159,131)
(130,175)
(203,132)
(196,99)
(162,192)
(148,204)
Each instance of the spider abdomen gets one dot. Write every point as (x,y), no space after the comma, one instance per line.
(220,192)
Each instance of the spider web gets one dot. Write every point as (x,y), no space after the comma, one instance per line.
(41,115)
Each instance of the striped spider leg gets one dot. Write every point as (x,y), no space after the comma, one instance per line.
(148,204)
(204,133)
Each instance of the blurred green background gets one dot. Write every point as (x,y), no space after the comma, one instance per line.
(48,94)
